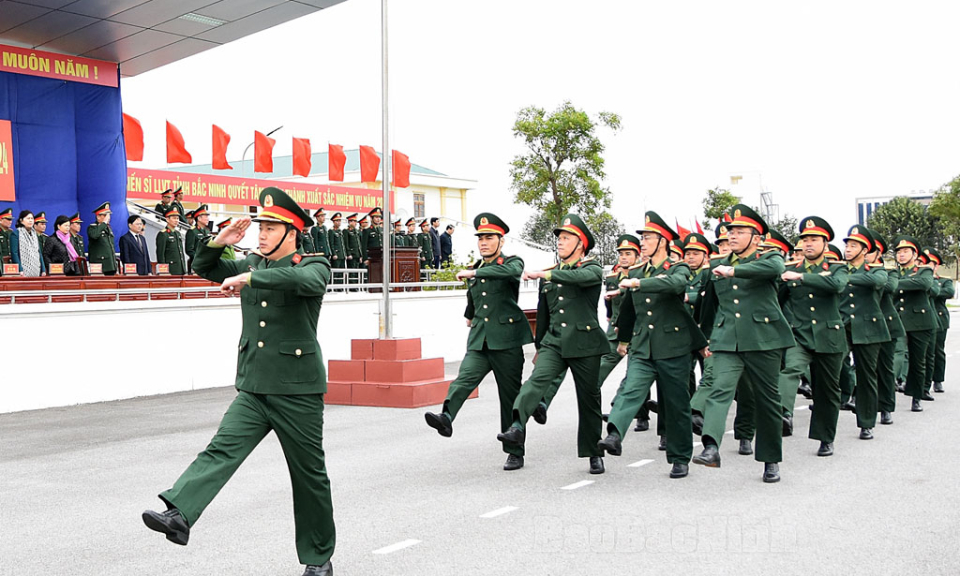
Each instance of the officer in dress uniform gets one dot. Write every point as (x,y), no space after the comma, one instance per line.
(426,245)
(372,237)
(410,238)
(351,241)
(178,201)
(696,250)
(498,331)
(932,294)
(568,337)
(40,226)
(6,230)
(75,238)
(661,335)
(166,201)
(747,333)
(397,238)
(199,234)
(337,256)
(306,238)
(170,244)
(946,292)
(102,250)
(229,253)
(319,233)
(886,377)
(280,380)
(919,319)
(811,303)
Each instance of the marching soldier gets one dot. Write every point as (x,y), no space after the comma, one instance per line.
(676,250)
(102,247)
(280,381)
(568,337)
(628,254)
(426,245)
(6,230)
(886,376)
(319,233)
(337,255)
(170,244)
(696,250)
(199,234)
(75,238)
(747,334)
(662,335)
(919,320)
(351,240)
(945,292)
(833,254)
(372,237)
(494,283)
(811,303)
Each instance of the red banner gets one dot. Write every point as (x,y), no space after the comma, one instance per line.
(7,192)
(215,189)
(58,66)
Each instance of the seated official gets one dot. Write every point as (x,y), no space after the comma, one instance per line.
(60,250)
(133,246)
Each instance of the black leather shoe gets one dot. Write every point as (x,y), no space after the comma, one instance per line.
(611,444)
(900,385)
(805,391)
(513,435)
(928,397)
(439,422)
(697,421)
(325,570)
(938,387)
(642,425)
(710,457)
(746,447)
(787,425)
(540,414)
(771,472)
(886,418)
(663,444)
(596,465)
(170,523)
(916,407)
(866,434)
(513,462)
(850,405)
(605,417)
(652,406)
(680,470)
(826,449)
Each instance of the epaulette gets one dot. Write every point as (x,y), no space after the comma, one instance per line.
(549,267)
(635,266)
(715,256)
(613,273)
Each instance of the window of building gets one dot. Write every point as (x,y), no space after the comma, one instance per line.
(419,211)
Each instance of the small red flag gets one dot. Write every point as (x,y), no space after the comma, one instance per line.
(681,230)
(401,169)
(726,217)
(220,141)
(336,160)
(369,164)
(133,138)
(302,157)
(699,229)
(176,149)
(262,152)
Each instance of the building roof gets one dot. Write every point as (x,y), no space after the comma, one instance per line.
(283,167)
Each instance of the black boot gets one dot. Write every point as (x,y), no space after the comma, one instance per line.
(850,405)
(746,447)
(663,444)
(938,387)
(866,433)
(900,385)
(513,436)
(680,470)
(710,457)
(596,465)
(916,407)
(805,390)
(826,449)
(927,396)
(643,424)
(771,472)
(439,422)
(697,420)
(886,418)
(170,523)
(513,462)
(540,414)
(325,570)
(787,425)
(611,444)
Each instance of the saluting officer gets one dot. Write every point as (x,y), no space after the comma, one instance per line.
(919,319)
(319,233)
(6,230)
(199,234)
(229,253)
(811,303)
(178,201)
(747,334)
(102,247)
(166,202)
(170,244)
(661,335)
(568,337)
(337,255)
(498,331)
(351,241)
(886,376)
(280,380)
(75,238)
(372,237)
(426,245)
(945,292)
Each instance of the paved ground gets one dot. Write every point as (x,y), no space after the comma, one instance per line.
(74,481)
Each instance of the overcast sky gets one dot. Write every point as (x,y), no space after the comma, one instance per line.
(827,101)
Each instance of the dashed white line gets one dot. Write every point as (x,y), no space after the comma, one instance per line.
(499,512)
(576,485)
(639,464)
(397,546)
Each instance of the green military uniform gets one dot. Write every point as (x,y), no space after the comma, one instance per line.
(498,331)
(699,398)
(77,239)
(337,255)
(397,238)
(351,242)
(747,333)
(945,292)
(811,305)
(280,385)
(102,247)
(228,251)
(41,218)
(886,375)
(371,237)
(196,236)
(170,248)
(306,240)
(611,283)
(919,319)
(425,242)
(5,234)
(568,337)
(410,238)
(319,233)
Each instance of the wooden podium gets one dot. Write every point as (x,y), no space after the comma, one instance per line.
(405,266)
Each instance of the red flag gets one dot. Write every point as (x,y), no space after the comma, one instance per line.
(133,138)
(369,164)
(220,141)
(727,218)
(262,152)
(176,149)
(336,160)
(302,157)
(681,230)
(401,169)
(699,229)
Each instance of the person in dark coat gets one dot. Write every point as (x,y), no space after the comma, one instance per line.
(60,250)
(446,245)
(133,246)
(435,238)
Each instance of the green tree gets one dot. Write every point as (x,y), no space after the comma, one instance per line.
(715,204)
(563,166)
(905,216)
(605,229)
(788,227)
(946,208)
(539,230)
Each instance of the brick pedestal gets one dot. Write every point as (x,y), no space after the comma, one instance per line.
(388,373)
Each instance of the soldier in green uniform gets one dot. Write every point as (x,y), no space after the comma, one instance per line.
(866,328)
(945,292)
(661,335)
(166,202)
(397,238)
(102,247)
(199,234)
(568,337)
(337,255)
(697,252)
(410,238)
(932,294)
(229,253)
(426,244)
(498,331)
(351,241)
(306,239)
(811,303)
(886,376)
(747,332)
(319,233)
(372,237)
(280,380)
(6,230)
(75,238)
(919,319)
(40,226)
(170,244)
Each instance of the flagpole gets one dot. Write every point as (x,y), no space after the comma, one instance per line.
(385,316)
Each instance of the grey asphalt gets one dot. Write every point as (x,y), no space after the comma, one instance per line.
(73,482)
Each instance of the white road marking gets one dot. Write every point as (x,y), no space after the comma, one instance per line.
(499,512)
(579,484)
(397,546)
(639,464)
(729,432)
(697,444)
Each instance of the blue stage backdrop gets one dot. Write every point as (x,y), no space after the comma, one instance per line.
(67,148)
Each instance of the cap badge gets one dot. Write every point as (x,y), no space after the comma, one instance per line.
(484,221)
(624,244)
(809,224)
(648,219)
(566,222)
(737,213)
(267,201)
(855,230)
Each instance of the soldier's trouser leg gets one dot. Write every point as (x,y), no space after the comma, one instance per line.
(940,363)
(795,362)
(744,423)
(699,397)
(848,379)
(917,344)
(900,361)
(865,356)
(886,381)
(825,374)
(608,362)
(473,369)
(551,391)
(549,367)
(931,360)
(585,372)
